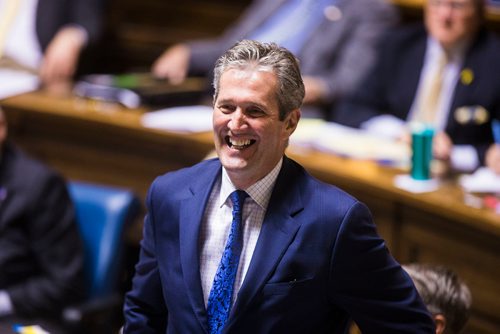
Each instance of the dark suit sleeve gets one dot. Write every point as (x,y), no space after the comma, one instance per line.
(370,98)
(356,54)
(205,52)
(369,284)
(145,310)
(56,246)
(89,15)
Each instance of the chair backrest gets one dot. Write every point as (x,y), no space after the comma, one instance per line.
(102,214)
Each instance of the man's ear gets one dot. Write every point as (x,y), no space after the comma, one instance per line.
(440,322)
(292,120)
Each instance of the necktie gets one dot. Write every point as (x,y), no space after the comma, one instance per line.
(220,298)
(431,92)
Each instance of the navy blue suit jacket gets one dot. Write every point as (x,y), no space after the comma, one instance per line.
(318,261)
(392,85)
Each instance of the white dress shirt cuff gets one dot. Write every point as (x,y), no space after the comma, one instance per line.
(464,158)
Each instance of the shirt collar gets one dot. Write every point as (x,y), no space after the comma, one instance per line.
(456,54)
(260,191)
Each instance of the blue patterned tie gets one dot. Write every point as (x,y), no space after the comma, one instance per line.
(220,299)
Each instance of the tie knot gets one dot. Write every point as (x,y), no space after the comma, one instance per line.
(238,198)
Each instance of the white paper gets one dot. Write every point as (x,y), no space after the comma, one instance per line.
(483,180)
(350,142)
(180,119)
(406,182)
(16,82)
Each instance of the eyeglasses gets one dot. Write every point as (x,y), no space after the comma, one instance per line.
(454,5)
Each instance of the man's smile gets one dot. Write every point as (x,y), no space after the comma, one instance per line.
(238,144)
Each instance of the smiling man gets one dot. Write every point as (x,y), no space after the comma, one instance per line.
(250,242)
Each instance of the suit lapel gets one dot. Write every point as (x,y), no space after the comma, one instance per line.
(191,216)
(278,230)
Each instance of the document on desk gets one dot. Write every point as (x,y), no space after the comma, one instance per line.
(349,142)
(483,180)
(185,119)
(16,82)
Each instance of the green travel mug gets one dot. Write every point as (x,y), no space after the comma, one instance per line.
(421,145)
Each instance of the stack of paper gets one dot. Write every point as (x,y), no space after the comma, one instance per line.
(484,180)
(180,119)
(349,142)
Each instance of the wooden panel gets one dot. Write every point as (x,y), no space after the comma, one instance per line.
(139,31)
(471,253)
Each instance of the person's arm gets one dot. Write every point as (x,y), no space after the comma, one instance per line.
(84,26)
(61,57)
(369,284)
(358,53)
(173,64)
(145,311)
(57,250)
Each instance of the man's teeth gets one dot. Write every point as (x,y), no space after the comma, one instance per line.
(239,142)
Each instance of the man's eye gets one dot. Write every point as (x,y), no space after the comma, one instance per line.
(255,112)
(226,109)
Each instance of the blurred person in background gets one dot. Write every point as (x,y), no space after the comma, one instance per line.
(41,257)
(49,37)
(335,41)
(446,296)
(451,61)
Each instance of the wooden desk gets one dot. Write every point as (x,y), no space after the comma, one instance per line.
(103,143)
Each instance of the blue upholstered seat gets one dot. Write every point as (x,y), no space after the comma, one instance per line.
(103,213)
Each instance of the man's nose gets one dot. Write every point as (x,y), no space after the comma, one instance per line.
(238,120)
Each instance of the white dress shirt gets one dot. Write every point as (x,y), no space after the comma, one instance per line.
(217,221)
(21,42)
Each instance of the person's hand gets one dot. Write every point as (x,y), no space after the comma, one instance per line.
(441,152)
(61,57)
(173,64)
(493,158)
(442,146)
(315,90)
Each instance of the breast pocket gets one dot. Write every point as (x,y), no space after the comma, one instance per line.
(290,287)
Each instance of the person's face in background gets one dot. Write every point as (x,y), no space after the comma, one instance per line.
(249,136)
(452,21)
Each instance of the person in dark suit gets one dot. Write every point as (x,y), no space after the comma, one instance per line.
(41,257)
(391,96)
(310,256)
(50,37)
(335,43)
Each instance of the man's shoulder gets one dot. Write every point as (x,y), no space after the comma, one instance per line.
(191,174)
(24,167)
(316,190)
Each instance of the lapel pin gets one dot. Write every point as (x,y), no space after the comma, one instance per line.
(481,115)
(466,76)
(463,115)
